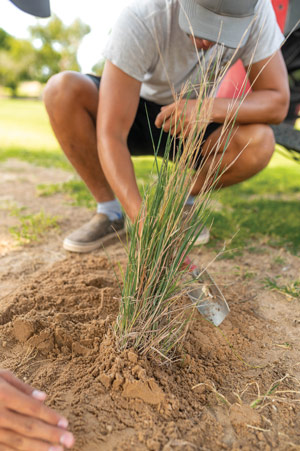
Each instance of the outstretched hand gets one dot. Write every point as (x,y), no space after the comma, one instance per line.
(25,422)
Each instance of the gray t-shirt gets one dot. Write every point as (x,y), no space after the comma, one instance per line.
(148,44)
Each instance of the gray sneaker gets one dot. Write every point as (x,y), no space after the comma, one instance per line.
(95,233)
(204,236)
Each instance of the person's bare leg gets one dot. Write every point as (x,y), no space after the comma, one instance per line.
(249,150)
(71,100)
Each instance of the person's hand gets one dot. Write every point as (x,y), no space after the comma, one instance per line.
(180,117)
(25,422)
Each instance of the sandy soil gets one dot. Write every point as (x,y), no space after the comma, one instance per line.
(56,331)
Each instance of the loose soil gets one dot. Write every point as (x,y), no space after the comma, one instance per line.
(235,387)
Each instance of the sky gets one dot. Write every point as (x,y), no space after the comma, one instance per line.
(100,15)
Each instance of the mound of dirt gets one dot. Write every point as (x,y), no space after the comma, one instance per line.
(234,388)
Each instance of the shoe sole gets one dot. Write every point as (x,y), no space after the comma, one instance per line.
(82,248)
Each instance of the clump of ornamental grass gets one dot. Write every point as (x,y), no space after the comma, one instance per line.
(153,319)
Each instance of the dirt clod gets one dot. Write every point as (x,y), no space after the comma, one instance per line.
(23,329)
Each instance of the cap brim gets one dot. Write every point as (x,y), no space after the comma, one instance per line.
(39,8)
(227,30)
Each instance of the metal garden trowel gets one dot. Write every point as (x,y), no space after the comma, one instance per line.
(207,297)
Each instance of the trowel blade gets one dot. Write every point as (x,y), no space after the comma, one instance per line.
(209,299)
(211,309)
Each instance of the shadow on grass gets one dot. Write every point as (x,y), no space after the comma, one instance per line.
(265,208)
(273,222)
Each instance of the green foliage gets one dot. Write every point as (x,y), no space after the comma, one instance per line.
(16,63)
(39,157)
(32,227)
(24,127)
(58,46)
(279,260)
(264,208)
(261,399)
(75,188)
(291,290)
(278,220)
(273,181)
(57,51)
(151,318)
(4,39)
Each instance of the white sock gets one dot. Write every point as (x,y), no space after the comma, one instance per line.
(112,209)
(190,200)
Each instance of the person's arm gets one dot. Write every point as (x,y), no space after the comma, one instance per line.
(267,103)
(118,103)
(25,422)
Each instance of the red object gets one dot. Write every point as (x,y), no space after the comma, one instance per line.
(281,9)
(232,85)
(187,263)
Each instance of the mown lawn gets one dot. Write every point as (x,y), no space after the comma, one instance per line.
(264,209)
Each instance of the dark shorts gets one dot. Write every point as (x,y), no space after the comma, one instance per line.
(139,139)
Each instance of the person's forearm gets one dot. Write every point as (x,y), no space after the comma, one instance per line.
(118,169)
(266,107)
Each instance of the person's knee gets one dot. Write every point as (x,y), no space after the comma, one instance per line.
(258,144)
(61,91)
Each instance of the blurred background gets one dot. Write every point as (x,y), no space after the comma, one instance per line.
(33,49)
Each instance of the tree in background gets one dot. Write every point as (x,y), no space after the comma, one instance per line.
(17,59)
(52,48)
(4,39)
(57,46)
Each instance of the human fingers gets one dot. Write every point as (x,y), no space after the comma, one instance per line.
(176,129)
(13,399)
(35,429)
(10,440)
(170,105)
(164,114)
(160,118)
(167,125)
(25,388)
